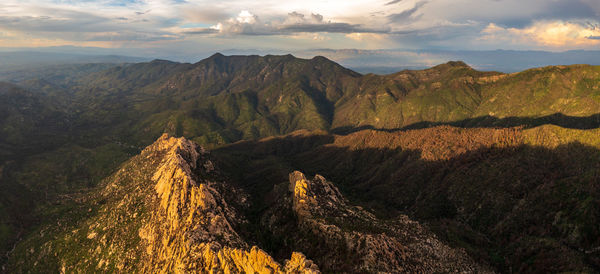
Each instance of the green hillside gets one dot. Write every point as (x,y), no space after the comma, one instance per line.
(224,99)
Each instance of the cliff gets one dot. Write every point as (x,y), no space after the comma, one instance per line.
(347,238)
(161,212)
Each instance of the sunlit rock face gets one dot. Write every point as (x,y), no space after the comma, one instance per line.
(191,229)
(170,210)
(167,210)
(355,240)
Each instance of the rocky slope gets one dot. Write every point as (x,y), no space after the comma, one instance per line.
(161,212)
(170,209)
(345,238)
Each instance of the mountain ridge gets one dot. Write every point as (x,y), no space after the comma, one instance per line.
(278,94)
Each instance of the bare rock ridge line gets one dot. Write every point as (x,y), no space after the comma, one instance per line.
(170,210)
(374,245)
(191,230)
(193,226)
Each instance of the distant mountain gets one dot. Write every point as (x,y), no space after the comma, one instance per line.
(26,59)
(389,61)
(379,61)
(51,71)
(223,99)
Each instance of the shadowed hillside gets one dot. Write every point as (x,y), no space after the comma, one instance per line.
(508,196)
(557,119)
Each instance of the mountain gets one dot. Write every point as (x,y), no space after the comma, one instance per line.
(224,99)
(176,212)
(500,165)
(18,60)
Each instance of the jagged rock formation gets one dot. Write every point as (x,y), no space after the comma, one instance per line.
(164,211)
(192,229)
(347,238)
(170,210)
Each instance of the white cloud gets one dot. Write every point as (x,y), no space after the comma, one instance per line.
(547,34)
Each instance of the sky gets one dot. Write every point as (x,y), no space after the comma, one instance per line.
(164,27)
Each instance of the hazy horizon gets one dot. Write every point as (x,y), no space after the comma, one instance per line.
(381,61)
(489,34)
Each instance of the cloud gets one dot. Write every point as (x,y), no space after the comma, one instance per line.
(85,22)
(548,34)
(513,13)
(358,36)
(247,23)
(205,14)
(532,24)
(297,22)
(407,14)
(393,2)
(331,28)
(129,36)
(200,31)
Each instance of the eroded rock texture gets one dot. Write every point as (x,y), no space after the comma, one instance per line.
(170,210)
(342,237)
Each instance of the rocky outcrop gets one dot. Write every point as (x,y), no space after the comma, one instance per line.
(169,210)
(193,226)
(191,229)
(356,241)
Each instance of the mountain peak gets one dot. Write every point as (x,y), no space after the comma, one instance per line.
(312,195)
(323,60)
(161,61)
(457,64)
(194,223)
(217,55)
(452,64)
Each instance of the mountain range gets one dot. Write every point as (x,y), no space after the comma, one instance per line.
(312,167)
